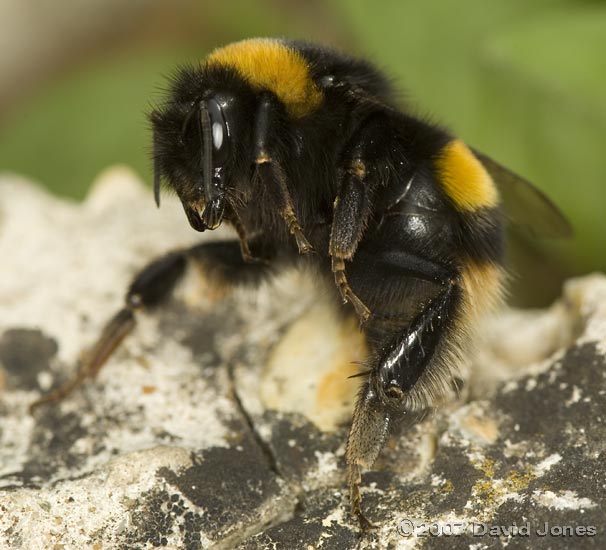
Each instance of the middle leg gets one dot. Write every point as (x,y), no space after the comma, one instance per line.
(367,165)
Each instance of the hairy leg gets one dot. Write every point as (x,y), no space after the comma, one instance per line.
(407,360)
(221,261)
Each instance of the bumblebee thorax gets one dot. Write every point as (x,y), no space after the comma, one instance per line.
(270,64)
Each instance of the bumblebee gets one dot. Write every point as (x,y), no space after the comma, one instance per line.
(304,151)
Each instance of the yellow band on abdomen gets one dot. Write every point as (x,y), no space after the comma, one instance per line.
(464,178)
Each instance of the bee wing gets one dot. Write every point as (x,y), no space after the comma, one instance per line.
(525,205)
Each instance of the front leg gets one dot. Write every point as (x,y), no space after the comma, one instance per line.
(243,236)
(221,261)
(272,175)
(271,172)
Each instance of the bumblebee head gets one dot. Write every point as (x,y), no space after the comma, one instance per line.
(200,136)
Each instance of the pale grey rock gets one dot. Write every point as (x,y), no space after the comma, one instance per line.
(221,421)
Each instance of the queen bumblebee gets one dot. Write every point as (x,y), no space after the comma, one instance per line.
(304,151)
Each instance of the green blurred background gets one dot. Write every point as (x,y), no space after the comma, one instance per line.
(524,81)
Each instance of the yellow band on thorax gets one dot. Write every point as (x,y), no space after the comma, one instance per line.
(464,178)
(271,65)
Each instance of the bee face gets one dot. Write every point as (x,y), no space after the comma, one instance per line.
(199,147)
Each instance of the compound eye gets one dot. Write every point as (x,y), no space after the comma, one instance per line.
(219,131)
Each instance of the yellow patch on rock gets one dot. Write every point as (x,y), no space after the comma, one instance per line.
(308,370)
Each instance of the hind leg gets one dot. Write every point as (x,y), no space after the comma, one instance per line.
(407,363)
(221,261)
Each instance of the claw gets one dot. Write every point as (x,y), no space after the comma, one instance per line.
(355,498)
(302,243)
(348,295)
(296,230)
(365,524)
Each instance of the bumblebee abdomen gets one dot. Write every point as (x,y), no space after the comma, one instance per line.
(271,64)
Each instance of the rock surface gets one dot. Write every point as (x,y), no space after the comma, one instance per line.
(221,421)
